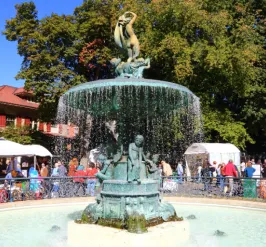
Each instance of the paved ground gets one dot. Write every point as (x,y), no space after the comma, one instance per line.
(211,201)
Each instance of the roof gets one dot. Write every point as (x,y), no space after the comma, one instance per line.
(207,148)
(8,95)
(21,90)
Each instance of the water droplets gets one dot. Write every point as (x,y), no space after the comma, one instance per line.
(168,117)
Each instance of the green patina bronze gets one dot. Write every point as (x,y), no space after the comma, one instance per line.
(136,223)
(123,107)
(130,197)
(126,39)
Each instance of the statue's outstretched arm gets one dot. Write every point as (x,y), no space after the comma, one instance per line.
(133,19)
(144,157)
(106,165)
(148,62)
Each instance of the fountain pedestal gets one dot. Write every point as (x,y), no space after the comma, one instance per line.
(119,200)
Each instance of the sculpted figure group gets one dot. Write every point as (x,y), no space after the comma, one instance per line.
(139,166)
(126,39)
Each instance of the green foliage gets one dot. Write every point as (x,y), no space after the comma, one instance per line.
(215,48)
(25,135)
(20,135)
(221,127)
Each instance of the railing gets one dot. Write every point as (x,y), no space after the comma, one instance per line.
(20,189)
(240,188)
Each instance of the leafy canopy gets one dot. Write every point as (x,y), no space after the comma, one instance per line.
(215,48)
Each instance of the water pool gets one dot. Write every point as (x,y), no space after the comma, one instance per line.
(31,226)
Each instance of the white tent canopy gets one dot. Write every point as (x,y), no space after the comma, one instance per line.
(37,150)
(219,152)
(12,149)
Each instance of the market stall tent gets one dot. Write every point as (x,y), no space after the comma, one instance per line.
(38,150)
(13,149)
(219,152)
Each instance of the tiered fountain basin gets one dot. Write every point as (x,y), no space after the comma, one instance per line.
(120,198)
(128,82)
(161,111)
(226,215)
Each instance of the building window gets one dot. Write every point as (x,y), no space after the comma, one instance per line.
(2,121)
(10,121)
(27,122)
(19,122)
(40,126)
(48,127)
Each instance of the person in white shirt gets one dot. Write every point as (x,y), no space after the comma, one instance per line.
(199,173)
(242,167)
(180,172)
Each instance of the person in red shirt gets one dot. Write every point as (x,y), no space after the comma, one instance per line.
(230,172)
(79,173)
(91,172)
(79,179)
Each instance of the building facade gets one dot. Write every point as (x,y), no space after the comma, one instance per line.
(17,108)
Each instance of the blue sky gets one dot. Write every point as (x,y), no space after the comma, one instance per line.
(10,61)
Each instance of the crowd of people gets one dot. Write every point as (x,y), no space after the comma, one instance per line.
(83,174)
(228,175)
(226,178)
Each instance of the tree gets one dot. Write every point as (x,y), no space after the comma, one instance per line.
(215,48)
(20,135)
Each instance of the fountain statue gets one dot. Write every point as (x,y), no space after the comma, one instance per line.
(125,38)
(135,156)
(130,190)
(110,114)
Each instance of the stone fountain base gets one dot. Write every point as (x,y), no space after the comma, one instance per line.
(122,205)
(168,234)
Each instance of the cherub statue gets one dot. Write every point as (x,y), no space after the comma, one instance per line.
(125,36)
(135,157)
(152,169)
(139,66)
(107,172)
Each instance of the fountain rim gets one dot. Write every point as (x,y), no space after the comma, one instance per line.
(195,202)
(119,82)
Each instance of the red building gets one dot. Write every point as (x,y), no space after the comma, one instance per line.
(17,108)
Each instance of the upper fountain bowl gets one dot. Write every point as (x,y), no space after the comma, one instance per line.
(121,82)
